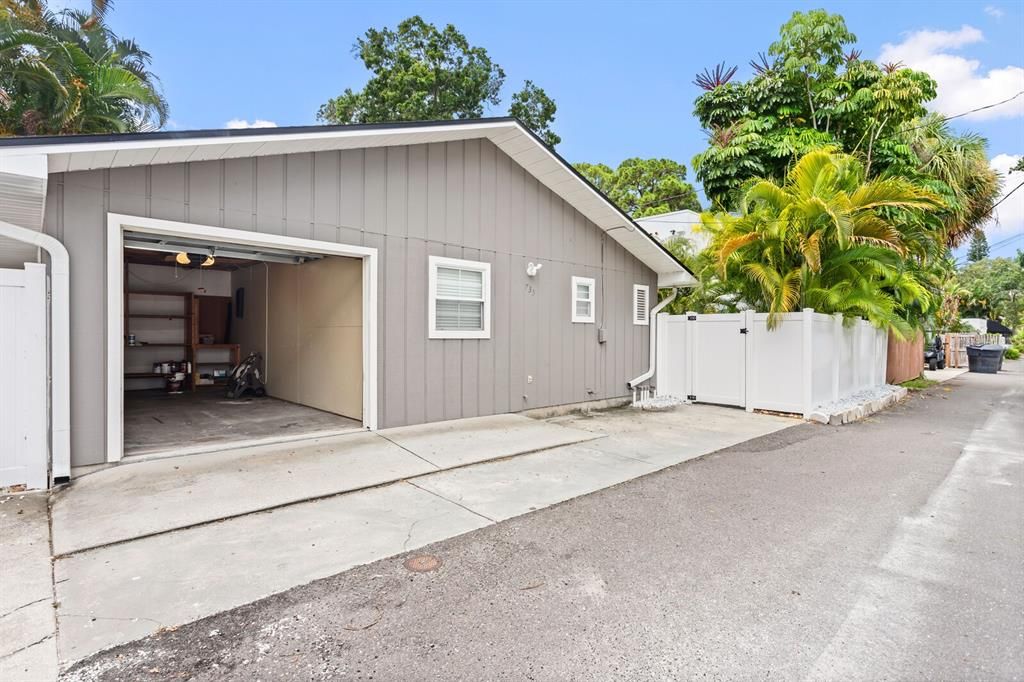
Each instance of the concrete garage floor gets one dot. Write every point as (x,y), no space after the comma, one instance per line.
(155,421)
(161,543)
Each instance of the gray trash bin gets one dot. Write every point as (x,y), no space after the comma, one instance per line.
(987,359)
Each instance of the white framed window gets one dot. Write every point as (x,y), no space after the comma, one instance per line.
(459,299)
(641,304)
(583,304)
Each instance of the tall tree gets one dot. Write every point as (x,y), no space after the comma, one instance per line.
(956,167)
(69,73)
(978,249)
(536,110)
(420,73)
(644,187)
(808,92)
(424,73)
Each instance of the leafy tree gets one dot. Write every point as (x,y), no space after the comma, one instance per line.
(536,110)
(996,290)
(979,247)
(644,187)
(806,93)
(423,73)
(69,73)
(420,73)
(825,239)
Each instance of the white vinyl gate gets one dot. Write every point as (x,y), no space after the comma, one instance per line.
(807,359)
(23,372)
(719,343)
(704,358)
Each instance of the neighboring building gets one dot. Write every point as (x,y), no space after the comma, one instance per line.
(387,273)
(684,223)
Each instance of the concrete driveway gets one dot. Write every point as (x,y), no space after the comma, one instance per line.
(144,547)
(888,549)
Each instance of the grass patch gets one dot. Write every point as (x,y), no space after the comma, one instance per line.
(919,384)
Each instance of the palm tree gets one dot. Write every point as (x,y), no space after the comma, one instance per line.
(68,73)
(825,238)
(960,163)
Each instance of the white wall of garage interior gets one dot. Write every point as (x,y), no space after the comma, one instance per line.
(807,360)
(312,340)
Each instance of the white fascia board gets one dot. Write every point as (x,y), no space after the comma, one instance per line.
(676,279)
(137,145)
(30,165)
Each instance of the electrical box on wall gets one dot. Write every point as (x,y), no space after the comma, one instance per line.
(602,335)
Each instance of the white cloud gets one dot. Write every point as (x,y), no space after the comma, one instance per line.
(1010,213)
(962,84)
(994,11)
(237,123)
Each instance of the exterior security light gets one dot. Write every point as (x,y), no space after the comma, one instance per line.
(533,268)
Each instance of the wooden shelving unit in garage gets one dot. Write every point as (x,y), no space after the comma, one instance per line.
(211,315)
(199,315)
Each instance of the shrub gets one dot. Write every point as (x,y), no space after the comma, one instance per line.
(1012,353)
(1018,340)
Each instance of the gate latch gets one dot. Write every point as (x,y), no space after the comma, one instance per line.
(691,317)
(743,331)
(691,397)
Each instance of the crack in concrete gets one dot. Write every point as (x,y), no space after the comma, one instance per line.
(417,456)
(24,606)
(457,504)
(28,646)
(408,536)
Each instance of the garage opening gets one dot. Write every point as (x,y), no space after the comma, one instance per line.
(228,345)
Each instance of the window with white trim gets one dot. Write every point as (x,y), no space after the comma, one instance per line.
(583,303)
(641,304)
(459,299)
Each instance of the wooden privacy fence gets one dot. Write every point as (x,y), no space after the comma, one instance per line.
(956,346)
(904,359)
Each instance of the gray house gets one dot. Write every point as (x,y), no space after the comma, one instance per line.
(386,275)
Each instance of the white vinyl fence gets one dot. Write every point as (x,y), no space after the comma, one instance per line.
(809,359)
(23,372)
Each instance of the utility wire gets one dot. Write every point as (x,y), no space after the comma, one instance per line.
(1007,195)
(943,119)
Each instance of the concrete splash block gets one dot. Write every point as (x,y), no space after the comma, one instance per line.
(858,406)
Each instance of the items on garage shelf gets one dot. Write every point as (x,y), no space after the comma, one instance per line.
(204,327)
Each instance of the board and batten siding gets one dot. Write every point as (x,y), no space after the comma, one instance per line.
(464,199)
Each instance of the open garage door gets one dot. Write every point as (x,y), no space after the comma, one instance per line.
(198,303)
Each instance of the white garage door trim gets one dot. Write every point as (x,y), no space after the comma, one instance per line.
(116,226)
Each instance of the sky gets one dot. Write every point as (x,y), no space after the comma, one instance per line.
(620,73)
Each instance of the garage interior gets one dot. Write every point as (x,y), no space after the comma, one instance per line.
(193,310)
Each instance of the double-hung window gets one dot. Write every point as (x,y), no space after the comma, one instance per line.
(460,299)
(641,302)
(584,307)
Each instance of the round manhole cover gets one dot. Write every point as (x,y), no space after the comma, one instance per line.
(423,563)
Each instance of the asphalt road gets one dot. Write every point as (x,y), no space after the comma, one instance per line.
(888,549)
